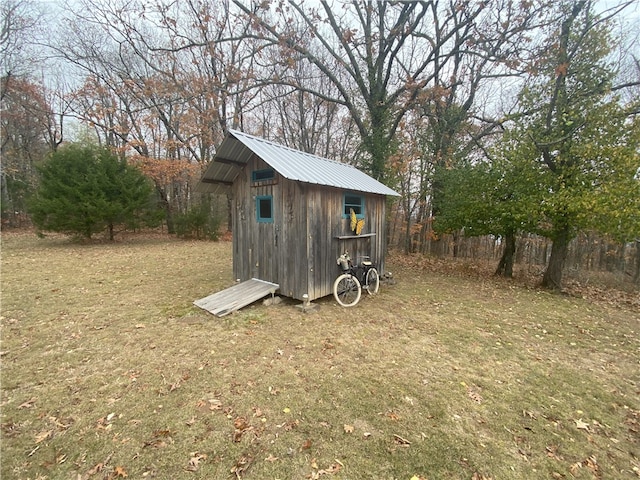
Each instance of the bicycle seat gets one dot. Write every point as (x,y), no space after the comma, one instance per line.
(366,263)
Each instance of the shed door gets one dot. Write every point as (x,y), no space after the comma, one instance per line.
(263,248)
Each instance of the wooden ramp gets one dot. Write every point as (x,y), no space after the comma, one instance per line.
(236,297)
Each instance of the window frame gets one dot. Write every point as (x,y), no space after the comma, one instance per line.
(259,217)
(346,212)
(256,175)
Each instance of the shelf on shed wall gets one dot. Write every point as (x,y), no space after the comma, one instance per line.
(346,237)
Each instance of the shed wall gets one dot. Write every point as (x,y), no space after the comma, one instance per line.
(298,250)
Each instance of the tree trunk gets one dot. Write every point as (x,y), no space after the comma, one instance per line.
(169,217)
(552,278)
(636,278)
(407,237)
(166,206)
(111,232)
(505,266)
(456,244)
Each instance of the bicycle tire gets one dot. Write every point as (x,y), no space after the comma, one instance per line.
(372,281)
(347,290)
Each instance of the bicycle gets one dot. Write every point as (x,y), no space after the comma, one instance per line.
(347,288)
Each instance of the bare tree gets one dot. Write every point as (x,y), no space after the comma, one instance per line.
(380,56)
(304,121)
(19,22)
(23,138)
(161,85)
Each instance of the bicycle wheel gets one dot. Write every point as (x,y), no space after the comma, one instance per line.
(347,290)
(372,281)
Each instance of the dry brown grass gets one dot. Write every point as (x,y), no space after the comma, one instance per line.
(108,371)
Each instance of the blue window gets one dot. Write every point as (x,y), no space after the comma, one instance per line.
(264,209)
(262,175)
(355,202)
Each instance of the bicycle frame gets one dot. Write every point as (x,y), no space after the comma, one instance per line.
(354,277)
(357,270)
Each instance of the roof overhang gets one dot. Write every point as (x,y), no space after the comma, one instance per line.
(227,164)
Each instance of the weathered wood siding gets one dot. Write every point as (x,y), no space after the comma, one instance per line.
(254,243)
(299,249)
(293,258)
(326,224)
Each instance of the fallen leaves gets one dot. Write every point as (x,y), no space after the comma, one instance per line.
(10,429)
(209,405)
(479,476)
(44,435)
(591,463)
(195,460)
(28,404)
(327,345)
(105,423)
(173,386)
(473,392)
(552,452)
(319,472)
(241,465)
(273,391)
(120,472)
(580,425)
(607,296)
(633,421)
(398,440)
(159,439)
(393,415)
(474,395)
(288,426)
(54,426)
(99,467)
(240,425)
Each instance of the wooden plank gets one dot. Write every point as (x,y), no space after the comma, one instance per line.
(230,161)
(234,298)
(364,235)
(219,182)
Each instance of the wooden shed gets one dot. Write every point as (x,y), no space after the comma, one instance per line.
(290,213)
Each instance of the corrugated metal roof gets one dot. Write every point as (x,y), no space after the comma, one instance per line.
(238,147)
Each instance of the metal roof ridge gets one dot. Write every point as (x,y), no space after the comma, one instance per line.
(279,145)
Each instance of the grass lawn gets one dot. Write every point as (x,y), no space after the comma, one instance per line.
(109,371)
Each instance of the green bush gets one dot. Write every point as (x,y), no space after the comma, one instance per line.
(198,223)
(85,189)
